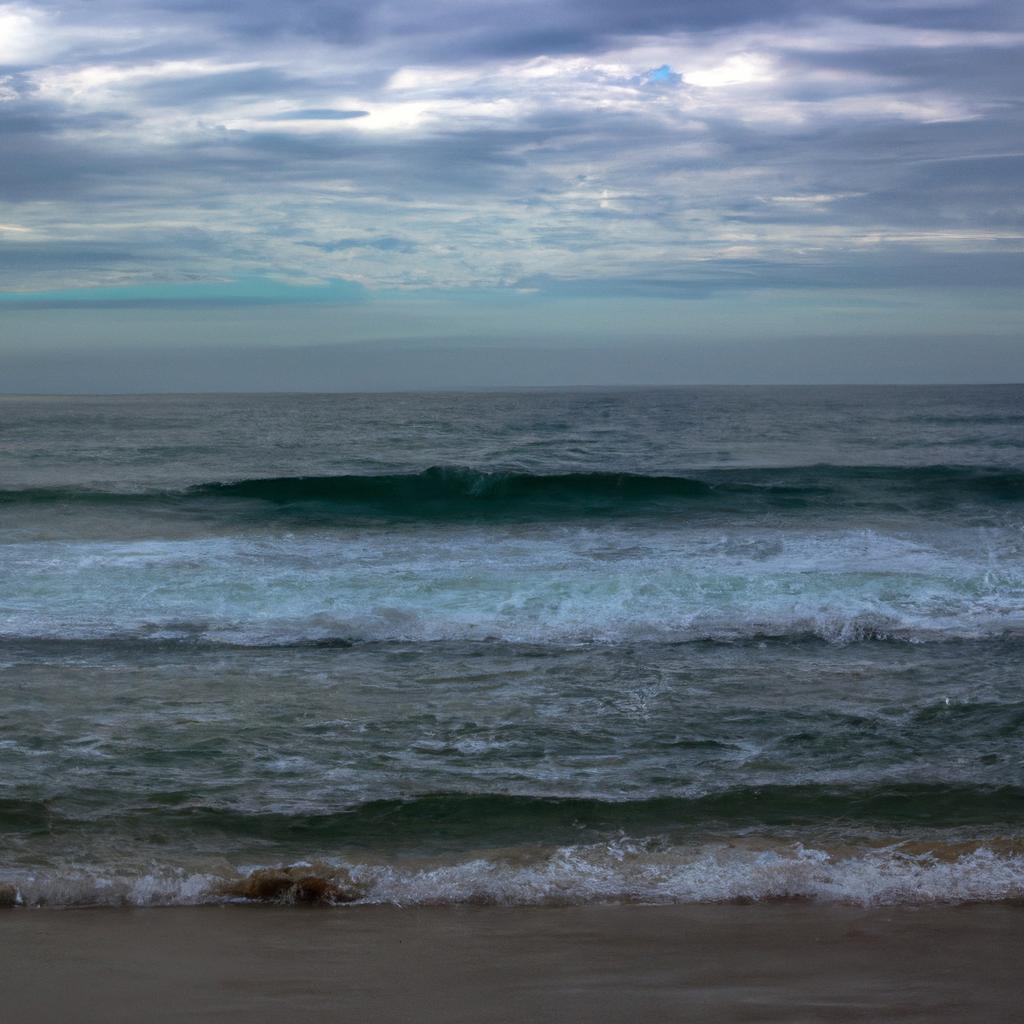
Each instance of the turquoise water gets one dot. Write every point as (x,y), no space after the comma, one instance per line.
(679,644)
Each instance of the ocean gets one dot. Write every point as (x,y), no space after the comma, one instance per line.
(518,647)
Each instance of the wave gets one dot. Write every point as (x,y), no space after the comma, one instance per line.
(623,871)
(443,820)
(558,584)
(454,492)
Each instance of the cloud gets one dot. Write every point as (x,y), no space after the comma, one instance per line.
(252,291)
(385,243)
(317,114)
(221,85)
(641,149)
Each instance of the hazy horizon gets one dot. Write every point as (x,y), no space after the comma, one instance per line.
(494,388)
(384,368)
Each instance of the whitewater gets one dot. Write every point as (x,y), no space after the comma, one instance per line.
(656,645)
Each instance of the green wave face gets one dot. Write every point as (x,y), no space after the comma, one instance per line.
(435,823)
(457,493)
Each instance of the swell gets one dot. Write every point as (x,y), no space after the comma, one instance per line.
(457,820)
(457,492)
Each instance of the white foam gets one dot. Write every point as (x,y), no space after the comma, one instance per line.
(627,872)
(621,871)
(538,585)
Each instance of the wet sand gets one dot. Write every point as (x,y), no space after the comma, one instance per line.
(782,962)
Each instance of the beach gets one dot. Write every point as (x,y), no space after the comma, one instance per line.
(511,513)
(787,962)
(657,705)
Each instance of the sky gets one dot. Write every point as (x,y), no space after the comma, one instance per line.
(325,195)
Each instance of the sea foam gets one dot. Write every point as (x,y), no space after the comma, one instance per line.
(616,872)
(555,584)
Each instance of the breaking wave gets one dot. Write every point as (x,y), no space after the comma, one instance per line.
(547,585)
(622,871)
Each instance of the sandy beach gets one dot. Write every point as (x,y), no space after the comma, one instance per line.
(785,962)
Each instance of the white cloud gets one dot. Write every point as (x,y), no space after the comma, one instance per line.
(432,79)
(23,35)
(488,168)
(98,85)
(923,109)
(30,35)
(739,69)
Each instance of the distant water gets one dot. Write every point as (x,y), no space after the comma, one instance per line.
(550,646)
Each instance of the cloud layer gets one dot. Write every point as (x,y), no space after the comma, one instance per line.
(648,149)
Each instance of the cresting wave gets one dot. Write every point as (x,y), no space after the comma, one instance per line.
(621,871)
(454,492)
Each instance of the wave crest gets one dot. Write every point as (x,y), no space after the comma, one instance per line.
(457,492)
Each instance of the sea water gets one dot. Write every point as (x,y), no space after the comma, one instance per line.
(687,644)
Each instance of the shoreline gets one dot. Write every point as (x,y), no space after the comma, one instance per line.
(609,963)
